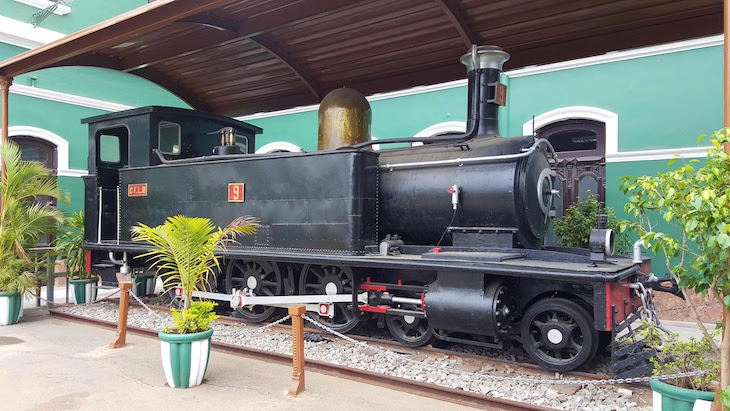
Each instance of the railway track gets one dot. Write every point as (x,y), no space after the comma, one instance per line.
(401,384)
(519,367)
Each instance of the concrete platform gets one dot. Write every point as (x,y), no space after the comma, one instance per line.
(51,364)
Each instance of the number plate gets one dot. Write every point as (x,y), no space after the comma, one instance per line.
(137,190)
(500,94)
(235,192)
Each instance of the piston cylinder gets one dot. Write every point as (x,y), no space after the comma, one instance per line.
(344,119)
(463,302)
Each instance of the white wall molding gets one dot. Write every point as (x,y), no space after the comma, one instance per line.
(61,9)
(277,146)
(440,128)
(61,144)
(67,98)
(579,112)
(24,35)
(651,155)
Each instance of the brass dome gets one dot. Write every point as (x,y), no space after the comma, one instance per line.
(344,119)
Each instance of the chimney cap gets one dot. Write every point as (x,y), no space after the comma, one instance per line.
(486,57)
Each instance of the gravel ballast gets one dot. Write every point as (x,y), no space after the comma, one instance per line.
(444,370)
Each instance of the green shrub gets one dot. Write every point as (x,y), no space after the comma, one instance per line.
(674,356)
(68,247)
(574,229)
(195,319)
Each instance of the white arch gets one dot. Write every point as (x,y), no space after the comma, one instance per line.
(441,128)
(579,112)
(278,146)
(61,144)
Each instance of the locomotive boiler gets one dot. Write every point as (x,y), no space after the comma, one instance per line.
(438,241)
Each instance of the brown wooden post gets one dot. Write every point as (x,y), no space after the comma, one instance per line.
(5,83)
(297,332)
(121,337)
(717,404)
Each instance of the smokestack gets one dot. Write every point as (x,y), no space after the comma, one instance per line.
(486,93)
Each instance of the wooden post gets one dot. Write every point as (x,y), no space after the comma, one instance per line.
(5,83)
(717,404)
(297,332)
(121,337)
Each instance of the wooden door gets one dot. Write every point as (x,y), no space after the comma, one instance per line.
(581,168)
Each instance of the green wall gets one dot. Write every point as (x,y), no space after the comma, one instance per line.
(663,101)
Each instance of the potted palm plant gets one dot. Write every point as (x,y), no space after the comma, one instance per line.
(695,201)
(25,218)
(68,247)
(183,252)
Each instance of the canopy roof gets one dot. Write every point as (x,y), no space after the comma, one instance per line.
(236,57)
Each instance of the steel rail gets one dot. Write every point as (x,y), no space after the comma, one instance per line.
(369,377)
(396,346)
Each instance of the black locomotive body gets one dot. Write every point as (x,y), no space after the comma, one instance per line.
(444,238)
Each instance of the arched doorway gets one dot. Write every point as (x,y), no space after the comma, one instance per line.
(581,148)
(44,152)
(35,149)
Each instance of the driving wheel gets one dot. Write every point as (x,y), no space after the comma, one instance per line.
(558,334)
(410,330)
(261,277)
(330,280)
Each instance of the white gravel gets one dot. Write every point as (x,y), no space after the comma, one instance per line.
(444,370)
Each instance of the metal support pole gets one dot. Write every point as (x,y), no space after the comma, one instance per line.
(121,337)
(5,83)
(51,272)
(297,332)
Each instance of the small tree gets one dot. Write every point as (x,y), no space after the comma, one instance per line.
(183,251)
(26,218)
(697,201)
(68,246)
(574,228)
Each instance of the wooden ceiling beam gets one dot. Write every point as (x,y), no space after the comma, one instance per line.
(236,29)
(284,57)
(458,20)
(114,63)
(91,60)
(125,27)
(175,87)
(180,49)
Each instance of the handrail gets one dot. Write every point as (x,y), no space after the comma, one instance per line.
(485,159)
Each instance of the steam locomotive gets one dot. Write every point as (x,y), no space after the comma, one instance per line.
(442,240)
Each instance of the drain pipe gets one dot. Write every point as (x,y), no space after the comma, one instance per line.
(124,269)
